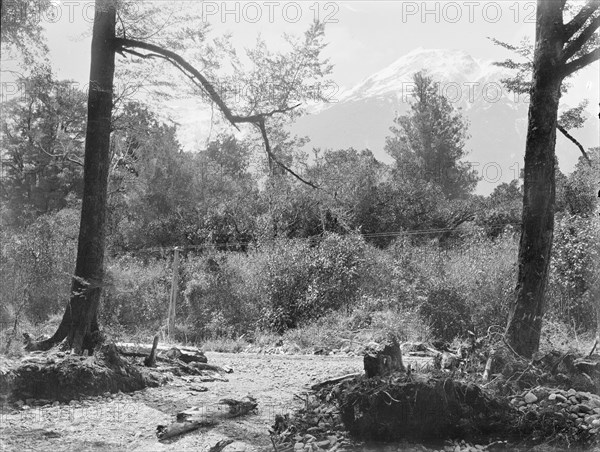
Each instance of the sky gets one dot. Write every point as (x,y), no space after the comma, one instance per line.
(363,36)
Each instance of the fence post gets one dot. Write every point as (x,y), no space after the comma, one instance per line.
(173,299)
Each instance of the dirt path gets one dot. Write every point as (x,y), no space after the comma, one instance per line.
(128,421)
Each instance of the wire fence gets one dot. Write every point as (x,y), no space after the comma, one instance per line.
(242,245)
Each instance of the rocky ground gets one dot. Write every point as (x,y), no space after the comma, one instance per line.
(129,421)
(280,384)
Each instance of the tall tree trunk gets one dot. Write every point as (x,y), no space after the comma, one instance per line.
(525,321)
(79,324)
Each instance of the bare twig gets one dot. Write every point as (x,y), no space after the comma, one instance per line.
(577,143)
(123,45)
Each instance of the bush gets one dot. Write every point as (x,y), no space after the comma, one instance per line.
(36,265)
(447,313)
(136,294)
(304,282)
(574,271)
(218,300)
(479,271)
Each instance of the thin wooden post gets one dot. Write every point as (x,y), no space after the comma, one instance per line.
(173,299)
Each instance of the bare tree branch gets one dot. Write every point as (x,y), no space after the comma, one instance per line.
(581,62)
(121,43)
(577,44)
(124,45)
(577,143)
(582,16)
(64,156)
(263,130)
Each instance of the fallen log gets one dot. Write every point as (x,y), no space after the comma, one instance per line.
(204,366)
(334,380)
(220,445)
(179,428)
(197,417)
(183,353)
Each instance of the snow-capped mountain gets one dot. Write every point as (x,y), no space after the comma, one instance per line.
(455,69)
(361,116)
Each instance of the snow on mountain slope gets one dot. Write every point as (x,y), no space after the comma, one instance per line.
(361,116)
(453,67)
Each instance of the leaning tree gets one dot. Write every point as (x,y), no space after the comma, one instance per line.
(286,76)
(561,49)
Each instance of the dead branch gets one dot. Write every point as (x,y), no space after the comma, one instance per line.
(577,143)
(123,45)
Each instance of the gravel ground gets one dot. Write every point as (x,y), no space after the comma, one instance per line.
(128,421)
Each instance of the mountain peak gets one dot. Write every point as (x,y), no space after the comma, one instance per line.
(444,65)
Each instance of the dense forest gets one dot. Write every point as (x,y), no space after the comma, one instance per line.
(406,243)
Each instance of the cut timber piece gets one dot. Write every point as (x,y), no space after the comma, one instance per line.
(179,428)
(204,366)
(226,408)
(197,417)
(587,366)
(185,354)
(332,381)
(220,445)
(383,359)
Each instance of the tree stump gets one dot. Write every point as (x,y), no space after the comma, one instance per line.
(150,360)
(383,359)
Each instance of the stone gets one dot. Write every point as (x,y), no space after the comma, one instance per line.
(530,398)
(323,444)
(560,398)
(309,438)
(582,408)
(552,396)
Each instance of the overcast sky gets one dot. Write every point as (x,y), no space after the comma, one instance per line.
(364,36)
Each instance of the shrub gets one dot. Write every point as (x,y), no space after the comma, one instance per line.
(36,265)
(304,282)
(217,300)
(136,294)
(447,313)
(574,270)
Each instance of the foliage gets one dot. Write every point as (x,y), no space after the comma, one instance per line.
(574,270)
(217,301)
(36,267)
(22,30)
(136,294)
(447,313)
(581,188)
(42,152)
(304,282)
(428,143)
(503,208)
